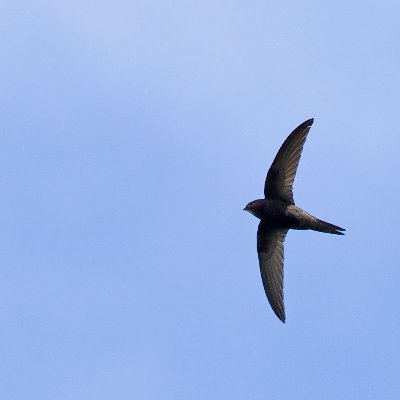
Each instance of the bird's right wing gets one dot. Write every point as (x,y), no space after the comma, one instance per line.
(270,257)
(280,177)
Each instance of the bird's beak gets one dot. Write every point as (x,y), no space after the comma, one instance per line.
(245,209)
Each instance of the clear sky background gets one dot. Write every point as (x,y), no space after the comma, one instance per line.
(133,134)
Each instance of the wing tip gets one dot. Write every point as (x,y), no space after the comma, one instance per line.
(309,122)
(282,317)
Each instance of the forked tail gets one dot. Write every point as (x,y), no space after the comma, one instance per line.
(322,226)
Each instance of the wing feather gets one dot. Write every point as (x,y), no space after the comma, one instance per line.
(270,256)
(280,177)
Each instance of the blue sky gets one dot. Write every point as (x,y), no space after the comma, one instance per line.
(133,134)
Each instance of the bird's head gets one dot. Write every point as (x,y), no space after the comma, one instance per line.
(255,207)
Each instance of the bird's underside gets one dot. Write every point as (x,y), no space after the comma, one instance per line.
(278,214)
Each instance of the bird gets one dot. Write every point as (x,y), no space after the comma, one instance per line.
(278,213)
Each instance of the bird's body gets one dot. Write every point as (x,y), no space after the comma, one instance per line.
(281,215)
(278,214)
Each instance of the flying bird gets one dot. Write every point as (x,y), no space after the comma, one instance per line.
(278,213)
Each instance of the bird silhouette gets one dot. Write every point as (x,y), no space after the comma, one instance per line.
(278,213)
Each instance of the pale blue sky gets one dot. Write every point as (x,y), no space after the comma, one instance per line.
(133,134)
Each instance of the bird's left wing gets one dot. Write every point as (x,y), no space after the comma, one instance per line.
(270,256)
(280,177)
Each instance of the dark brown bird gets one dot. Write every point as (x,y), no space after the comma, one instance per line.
(278,214)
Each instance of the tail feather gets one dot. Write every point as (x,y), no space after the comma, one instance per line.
(322,226)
